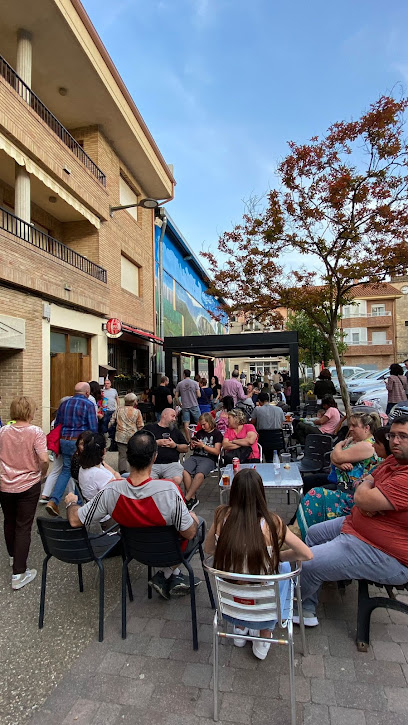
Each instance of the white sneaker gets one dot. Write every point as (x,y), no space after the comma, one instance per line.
(308,621)
(238,641)
(20,580)
(254,632)
(260,649)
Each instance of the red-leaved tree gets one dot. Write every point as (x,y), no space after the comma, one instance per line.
(342,199)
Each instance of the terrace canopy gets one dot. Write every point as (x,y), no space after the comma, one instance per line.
(254,345)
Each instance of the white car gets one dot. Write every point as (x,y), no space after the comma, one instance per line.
(378,396)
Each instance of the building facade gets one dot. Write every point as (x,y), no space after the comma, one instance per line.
(260,367)
(72,144)
(401,312)
(369,326)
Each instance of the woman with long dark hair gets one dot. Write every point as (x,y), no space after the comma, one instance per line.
(247,538)
(396,385)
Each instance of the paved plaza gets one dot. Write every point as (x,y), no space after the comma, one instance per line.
(63,675)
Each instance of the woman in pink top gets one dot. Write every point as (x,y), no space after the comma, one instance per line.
(23,461)
(396,385)
(326,422)
(240,439)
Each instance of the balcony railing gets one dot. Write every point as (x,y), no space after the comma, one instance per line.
(10,75)
(31,235)
(384,313)
(368,342)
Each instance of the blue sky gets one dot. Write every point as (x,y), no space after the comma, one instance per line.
(224,84)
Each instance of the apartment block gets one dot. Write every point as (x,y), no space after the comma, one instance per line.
(369,325)
(72,145)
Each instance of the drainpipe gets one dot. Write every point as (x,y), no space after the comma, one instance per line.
(160,356)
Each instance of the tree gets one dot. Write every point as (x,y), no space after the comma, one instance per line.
(342,199)
(313,345)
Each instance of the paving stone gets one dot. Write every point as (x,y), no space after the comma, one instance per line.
(268,711)
(405,671)
(134,644)
(397,617)
(60,699)
(380,631)
(339,668)
(121,690)
(182,651)
(205,703)
(159,647)
(302,688)
(174,698)
(398,632)
(236,708)
(132,715)
(256,683)
(205,633)
(356,694)
(107,714)
(315,714)
(385,673)
(334,627)
(317,644)
(197,675)
(226,677)
(389,651)
(133,665)
(385,718)
(178,630)
(82,712)
(342,646)
(397,699)
(243,658)
(312,666)
(322,692)
(381,614)
(113,662)
(342,715)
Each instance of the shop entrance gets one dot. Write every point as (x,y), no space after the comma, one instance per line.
(70,363)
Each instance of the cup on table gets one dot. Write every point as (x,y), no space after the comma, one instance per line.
(225,479)
(285,458)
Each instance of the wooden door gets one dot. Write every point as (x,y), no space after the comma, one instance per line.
(67,369)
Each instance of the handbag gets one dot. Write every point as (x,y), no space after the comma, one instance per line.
(53,439)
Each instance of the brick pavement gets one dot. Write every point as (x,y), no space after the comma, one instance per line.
(154,676)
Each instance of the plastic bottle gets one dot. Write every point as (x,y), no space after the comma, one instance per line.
(276,462)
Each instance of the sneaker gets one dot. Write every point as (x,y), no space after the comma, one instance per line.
(52,508)
(20,580)
(260,649)
(43,499)
(238,641)
(300,456)
(192,503)
(160,584)
(309,619)
(180,584)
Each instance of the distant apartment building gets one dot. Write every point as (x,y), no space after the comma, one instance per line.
(369,325)
(401,284)
(261,366)
(72,144)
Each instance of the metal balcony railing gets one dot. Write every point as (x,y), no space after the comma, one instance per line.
(350,315)
(368,342)
(10,75)
(31,235)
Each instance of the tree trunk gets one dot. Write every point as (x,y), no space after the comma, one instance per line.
(343,389)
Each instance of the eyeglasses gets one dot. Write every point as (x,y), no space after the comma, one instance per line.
(393,436)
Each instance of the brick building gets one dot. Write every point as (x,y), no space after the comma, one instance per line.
(369,325)
(72,144)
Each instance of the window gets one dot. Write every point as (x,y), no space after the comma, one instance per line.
(57,342)
(355,336)
(377,310)
(356,309)
(78,344)
(127,196)
(130,276)
(379,338)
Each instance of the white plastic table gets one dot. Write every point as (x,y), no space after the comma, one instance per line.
(288,479)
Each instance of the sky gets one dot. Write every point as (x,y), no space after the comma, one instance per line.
(223,85)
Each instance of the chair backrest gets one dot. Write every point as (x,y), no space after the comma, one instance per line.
(152,545)
(310,408)
(272,440)
(316,445)
(252,598)
(64,542)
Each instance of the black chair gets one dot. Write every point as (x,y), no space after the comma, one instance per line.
(272,440)
(76,546)
(317,446)
(160,546)
(310,408)
(367,604)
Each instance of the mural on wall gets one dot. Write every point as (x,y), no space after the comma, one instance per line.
(186,306)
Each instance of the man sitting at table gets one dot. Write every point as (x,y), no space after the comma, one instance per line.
(171,443)
(372,542)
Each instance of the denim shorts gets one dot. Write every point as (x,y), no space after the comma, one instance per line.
(191,415)
(284,592)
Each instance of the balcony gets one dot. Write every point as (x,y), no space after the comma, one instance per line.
(367,342)
(36,238)
(385,313)
(11,77)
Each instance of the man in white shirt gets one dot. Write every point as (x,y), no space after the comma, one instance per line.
(109,403)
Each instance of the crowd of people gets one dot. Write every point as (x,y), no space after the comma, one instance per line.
(351,522)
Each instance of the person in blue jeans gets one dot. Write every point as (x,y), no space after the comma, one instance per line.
(76,415)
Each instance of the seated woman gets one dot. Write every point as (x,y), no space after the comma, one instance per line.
(246,538)
(94,473)
(352,459)
(240,439)
(326,422)
(221,416)
(206,445)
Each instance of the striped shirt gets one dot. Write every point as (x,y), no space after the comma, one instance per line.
(154,502)
(76,415)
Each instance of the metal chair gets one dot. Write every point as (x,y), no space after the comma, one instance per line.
(316,447)
(256,599)
(160,546)
(76,546)
(271,440)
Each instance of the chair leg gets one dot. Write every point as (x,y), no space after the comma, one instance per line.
(43,586)
(206,577)
(149,588)
(300,613)
(101,598)
(125,576)
(215,666)
(129,586)
(193,605)
(80,578)
(292,674)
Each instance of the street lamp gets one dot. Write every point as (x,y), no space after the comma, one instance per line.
(145,203)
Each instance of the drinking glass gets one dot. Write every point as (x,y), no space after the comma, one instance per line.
(285,458)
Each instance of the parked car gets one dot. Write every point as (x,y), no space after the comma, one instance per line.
(356,376)
(357,388)
(399,409)
(378,396)
(348,371)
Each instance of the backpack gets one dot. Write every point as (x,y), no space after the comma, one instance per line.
(246,408)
